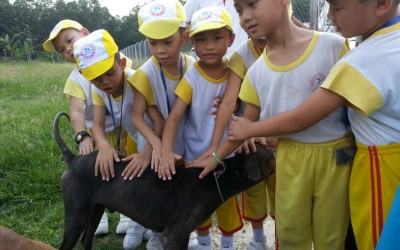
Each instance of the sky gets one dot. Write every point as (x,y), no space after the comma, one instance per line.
(121,7)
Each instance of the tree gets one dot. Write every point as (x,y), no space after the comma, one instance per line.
(10,44)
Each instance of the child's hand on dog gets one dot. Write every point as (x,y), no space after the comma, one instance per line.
(137,163)
(105,161)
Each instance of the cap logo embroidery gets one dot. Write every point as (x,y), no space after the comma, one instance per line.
(157,10)
(88,51)
(204,16)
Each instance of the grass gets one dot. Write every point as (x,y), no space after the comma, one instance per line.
(30,161)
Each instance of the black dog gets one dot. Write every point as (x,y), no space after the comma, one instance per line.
(174,208)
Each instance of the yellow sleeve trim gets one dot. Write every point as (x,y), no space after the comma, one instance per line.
(349,83)
(97,99)
(184,91)
(71,88)
(237,65)
(141,82)
(247,93)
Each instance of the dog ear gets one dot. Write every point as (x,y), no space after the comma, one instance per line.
(253,172)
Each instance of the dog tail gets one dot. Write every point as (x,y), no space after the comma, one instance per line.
(67,154)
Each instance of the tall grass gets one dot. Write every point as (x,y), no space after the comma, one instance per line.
(30,161)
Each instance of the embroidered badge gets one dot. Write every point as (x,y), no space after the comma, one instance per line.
(157,10)
(88,51)
(204,16)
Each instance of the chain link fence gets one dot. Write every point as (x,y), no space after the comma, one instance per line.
(313,13)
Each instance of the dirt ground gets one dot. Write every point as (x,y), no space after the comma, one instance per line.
(243,236)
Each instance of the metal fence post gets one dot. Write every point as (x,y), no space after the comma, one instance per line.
(314,14)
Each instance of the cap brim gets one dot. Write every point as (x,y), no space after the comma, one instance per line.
(98,68)
(48,44)
(207,26)
(160,29)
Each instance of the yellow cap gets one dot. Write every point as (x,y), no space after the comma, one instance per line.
(210,18)
(161,19)
(63,24)
(94,54)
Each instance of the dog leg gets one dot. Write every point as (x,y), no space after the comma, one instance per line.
(172,238)
(76,212)
(91,226)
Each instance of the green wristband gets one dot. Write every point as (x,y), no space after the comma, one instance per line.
(216,158)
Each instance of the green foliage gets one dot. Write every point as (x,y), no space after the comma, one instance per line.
(30,161)
(36,18)
(10,44)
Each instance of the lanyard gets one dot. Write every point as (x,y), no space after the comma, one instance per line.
(120,118)
(165,84)
(390,22)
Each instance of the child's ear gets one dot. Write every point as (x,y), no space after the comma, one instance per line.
(122,63)
(383,7)
(185,37)
(85,31)
(231,39)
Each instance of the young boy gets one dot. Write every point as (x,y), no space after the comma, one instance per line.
(163,23)
(365,80)
(78,90)
(211,34)
(307,174)
(155,81)
(254,200)
(99,62)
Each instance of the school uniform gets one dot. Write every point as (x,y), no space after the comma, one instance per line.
(368,78)
(311,192)
(198,91)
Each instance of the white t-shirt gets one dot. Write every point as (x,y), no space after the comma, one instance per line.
(368,77)
(198,91)
(277,89)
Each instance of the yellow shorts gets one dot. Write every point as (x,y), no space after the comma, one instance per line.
(311,195)
(228,217)
(255,200)
(373,184)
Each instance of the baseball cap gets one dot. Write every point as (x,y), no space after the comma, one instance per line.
(63,24)
(161,19)
(210,18)
(94,53)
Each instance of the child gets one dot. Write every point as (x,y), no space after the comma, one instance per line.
(211,34)
(164,25)
(365,80)
(289,70)
(78,90)
(254,200)
(155,81)
(99,62)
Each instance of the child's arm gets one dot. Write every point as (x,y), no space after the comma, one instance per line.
(224,112)
(159,122)
(168,139)
(107,154)
(78,121)
(316,107)
(252,112)
(139,162)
